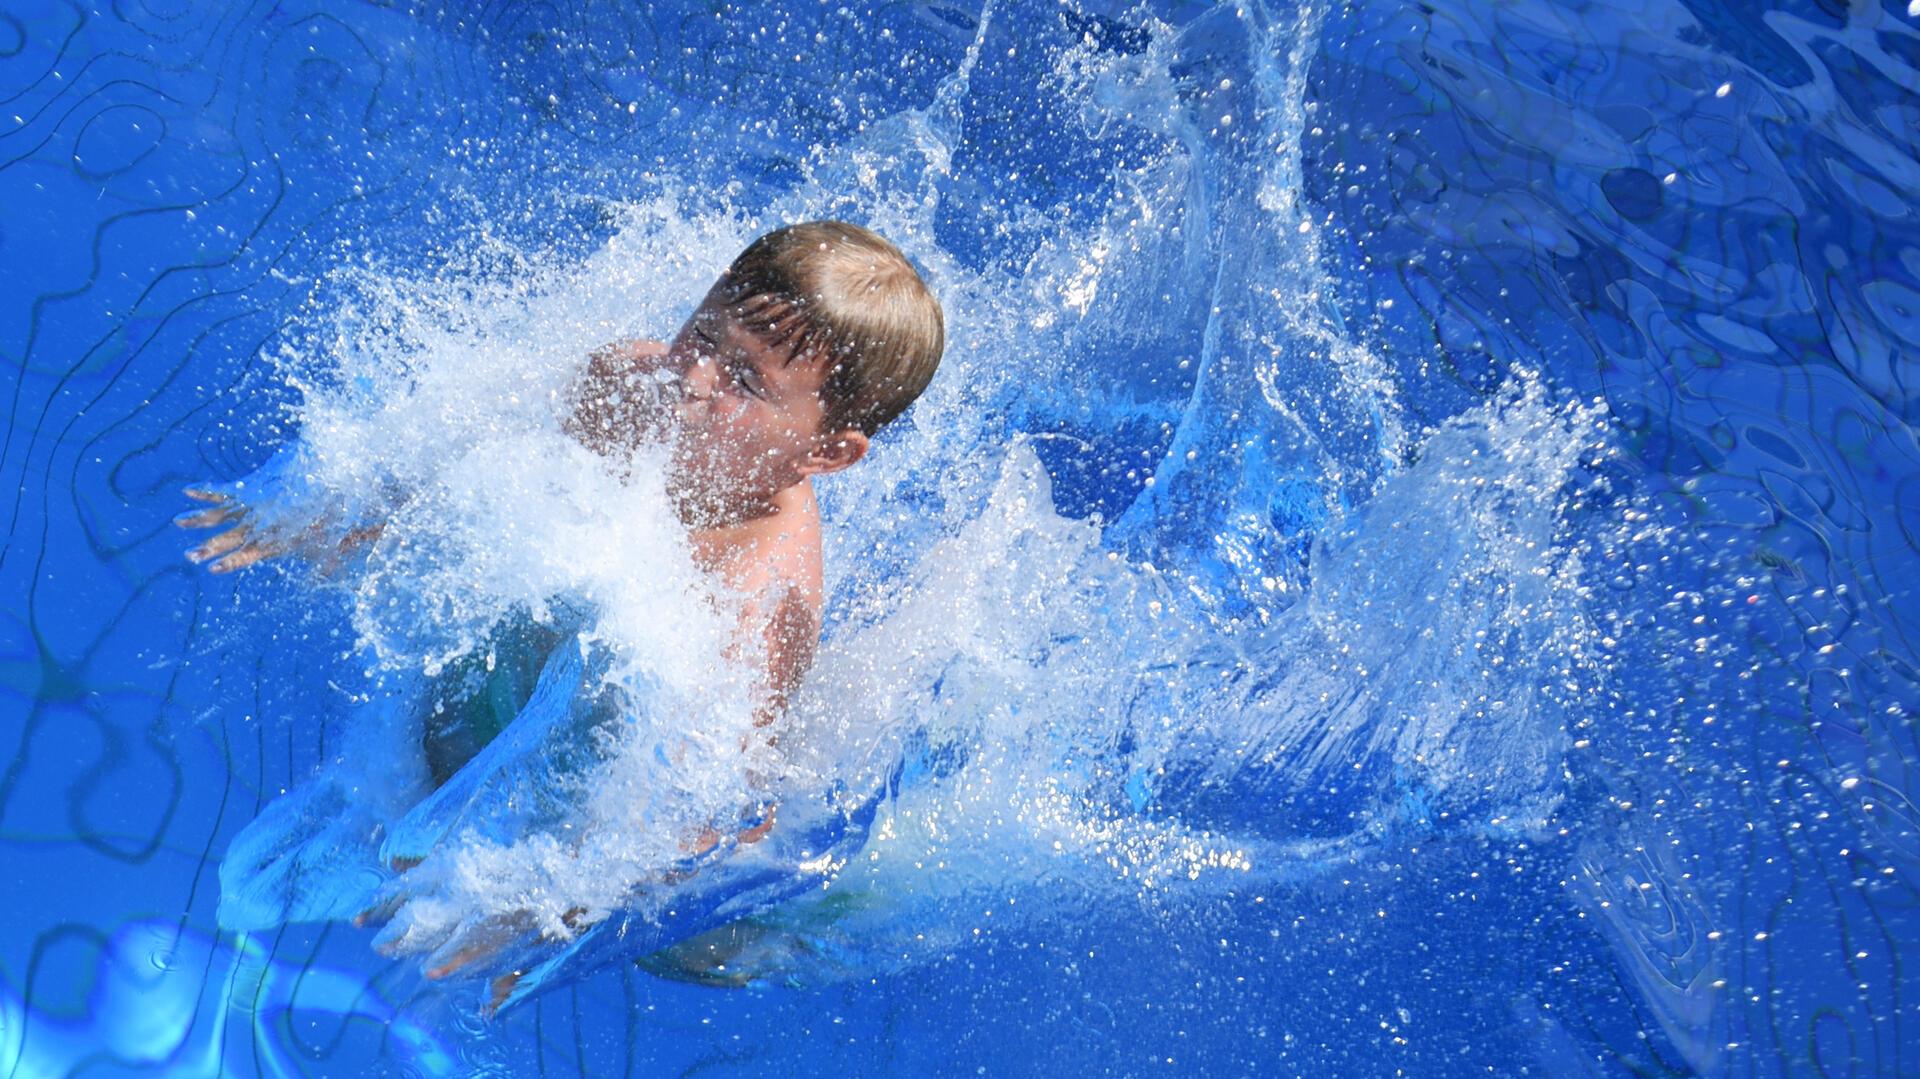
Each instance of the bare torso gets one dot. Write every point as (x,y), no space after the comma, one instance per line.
(769,553)
(774,562)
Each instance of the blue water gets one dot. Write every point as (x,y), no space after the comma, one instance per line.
(1406,567)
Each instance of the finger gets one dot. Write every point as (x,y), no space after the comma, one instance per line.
(219,545)
(244,557)
(502,989)
(759,831)
(456,961)
(390,897)
(392,942)
(207,518)
(207,494)
(381,912)
(404,936)
(474,945)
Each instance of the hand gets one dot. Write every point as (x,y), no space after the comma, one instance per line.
(276,510)
(477,946)
(238,546)
(503,946)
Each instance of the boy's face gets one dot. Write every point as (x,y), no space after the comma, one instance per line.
(750,416)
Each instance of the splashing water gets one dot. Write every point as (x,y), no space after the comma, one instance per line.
(1303,627)
(1401,562)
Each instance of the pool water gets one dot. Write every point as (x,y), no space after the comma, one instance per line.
(1406,568)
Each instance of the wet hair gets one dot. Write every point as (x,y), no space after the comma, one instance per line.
(841,294)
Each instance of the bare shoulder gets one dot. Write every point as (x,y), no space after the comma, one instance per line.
(774,557)
(786,604)
(774,563)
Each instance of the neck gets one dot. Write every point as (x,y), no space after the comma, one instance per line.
(718,514)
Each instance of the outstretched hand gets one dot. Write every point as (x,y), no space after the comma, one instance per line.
(478,945)
(240,544)
(251,531)
(488,945)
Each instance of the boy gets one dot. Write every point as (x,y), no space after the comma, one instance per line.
(814,338)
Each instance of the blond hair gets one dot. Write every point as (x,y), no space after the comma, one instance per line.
(840,293)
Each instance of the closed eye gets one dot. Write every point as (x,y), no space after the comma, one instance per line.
(737,368)
(741,380)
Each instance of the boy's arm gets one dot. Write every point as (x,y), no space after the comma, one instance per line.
(259,518)
(792,634)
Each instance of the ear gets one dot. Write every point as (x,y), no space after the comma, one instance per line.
(834,452)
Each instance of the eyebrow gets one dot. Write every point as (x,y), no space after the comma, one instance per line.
(783,343)
(735,356)
(786,329)
(722,349)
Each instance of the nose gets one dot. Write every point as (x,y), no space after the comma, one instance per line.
(699,379)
